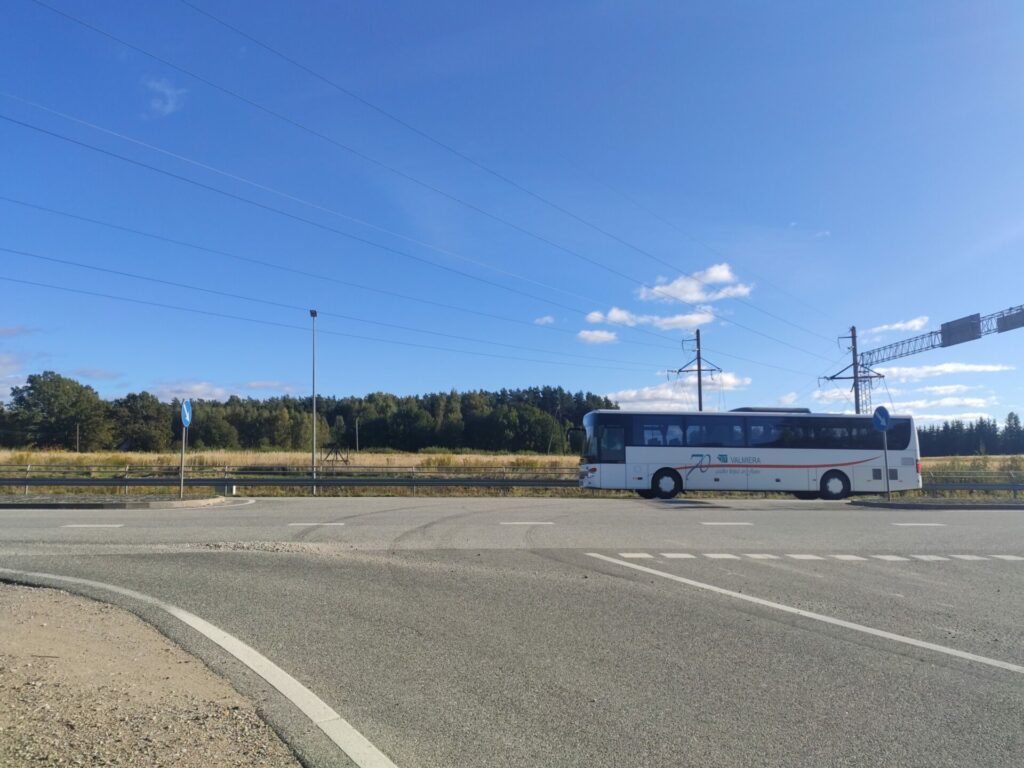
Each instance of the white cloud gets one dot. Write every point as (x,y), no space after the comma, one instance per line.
(823,233)
(11,374)
(944,389)
(201,390)
(788,399)
(678,395)
(597,337)
(933,417)
(913,373)
(617,316)
(910,406)
(166,99)
(691,289)
(271,386)
(546,320)
(915,324)
(833,396)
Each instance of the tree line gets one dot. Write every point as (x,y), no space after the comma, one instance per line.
(55,411)
(960,438)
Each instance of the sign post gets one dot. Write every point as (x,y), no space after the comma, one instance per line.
(882,422)
(186,419)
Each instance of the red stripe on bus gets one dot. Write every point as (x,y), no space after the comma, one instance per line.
(776,466)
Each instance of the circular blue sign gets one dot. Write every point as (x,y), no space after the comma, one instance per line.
(881,419)
(186,413)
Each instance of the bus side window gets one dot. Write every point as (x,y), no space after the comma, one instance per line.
(674,434)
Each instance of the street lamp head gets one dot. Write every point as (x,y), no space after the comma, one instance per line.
(312,313)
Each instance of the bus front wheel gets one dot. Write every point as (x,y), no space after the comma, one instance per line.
(835,486)
(666,484)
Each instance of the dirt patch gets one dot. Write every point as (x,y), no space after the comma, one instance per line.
(84,683)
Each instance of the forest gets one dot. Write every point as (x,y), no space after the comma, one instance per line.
(58,412)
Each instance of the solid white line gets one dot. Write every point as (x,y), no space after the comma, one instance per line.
(1008,557)
(763,557)
(716,523)
(338,730)
(891,558)
(849,557)
(921,525)
(721,556)
(93,525)
(526,522)
(969,557)
(929,558)
(816,616)
(301,524)
(677,555)
(636,555)
(806,557)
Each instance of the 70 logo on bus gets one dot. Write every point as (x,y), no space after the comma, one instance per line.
(703,463)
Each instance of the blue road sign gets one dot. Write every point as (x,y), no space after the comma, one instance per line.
(881,419)
(186,413)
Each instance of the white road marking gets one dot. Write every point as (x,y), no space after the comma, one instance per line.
(337,729)
(1008,557)
(307,524)
(93,525)
(244,503)
(817,616)
(806,557)
(678,555)
(891,558)
(525,522)
(929,558)
(762,557)
(721,556)
(921,525)
(636,555)
(969,557)
(721,523)
(849,557)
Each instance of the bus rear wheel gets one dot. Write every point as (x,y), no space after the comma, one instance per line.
(666,484)
(645,494)
(835,485)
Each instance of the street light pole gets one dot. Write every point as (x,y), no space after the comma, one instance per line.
(312,314)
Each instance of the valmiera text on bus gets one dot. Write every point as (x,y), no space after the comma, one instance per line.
(811,455)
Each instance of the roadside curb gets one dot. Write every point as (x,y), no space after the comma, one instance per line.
(178,504)
(928,505)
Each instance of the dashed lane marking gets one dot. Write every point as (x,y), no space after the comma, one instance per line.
(93,525)
(891,558)
(969,557)
(929,558)
(720,556)
(1008,557)
(920,525)
(678,555)
(526,522)
(849,557)
(308,524)
(636,555)
(335,727)
(760,556)
(725,523)
(880,633)
(806,557)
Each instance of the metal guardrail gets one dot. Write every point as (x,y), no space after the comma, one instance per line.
(301,482)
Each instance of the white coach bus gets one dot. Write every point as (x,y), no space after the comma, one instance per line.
(811,455)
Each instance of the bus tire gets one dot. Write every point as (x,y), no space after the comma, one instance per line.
(645,494)
(834,485)
(666,484)
(807,495)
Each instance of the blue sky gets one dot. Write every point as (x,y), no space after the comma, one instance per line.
(770,172)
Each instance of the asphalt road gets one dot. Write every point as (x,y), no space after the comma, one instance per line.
(534,632)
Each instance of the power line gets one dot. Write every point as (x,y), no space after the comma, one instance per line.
(303,329)
(298,307)
(385,166)
(475,163)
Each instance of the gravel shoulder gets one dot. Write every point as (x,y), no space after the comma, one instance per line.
(85,683)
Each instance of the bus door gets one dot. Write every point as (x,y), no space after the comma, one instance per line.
(612,456)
